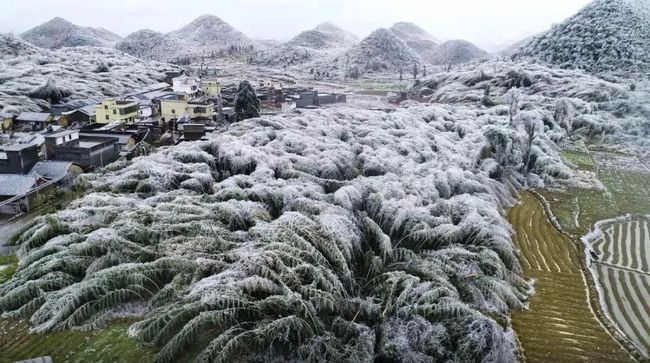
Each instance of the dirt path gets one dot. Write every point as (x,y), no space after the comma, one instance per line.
(560,325)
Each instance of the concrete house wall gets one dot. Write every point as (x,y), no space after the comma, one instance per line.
(103,152)
(19,161)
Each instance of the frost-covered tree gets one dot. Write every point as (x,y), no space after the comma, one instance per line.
(513,98)
(247,105)
(50,92)
(503,145)
(532,125)
(564,112)
(101,68)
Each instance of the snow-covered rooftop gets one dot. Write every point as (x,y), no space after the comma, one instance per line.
(16,184)
(51,169)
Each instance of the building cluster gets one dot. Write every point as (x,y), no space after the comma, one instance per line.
(38,162)
(42,150)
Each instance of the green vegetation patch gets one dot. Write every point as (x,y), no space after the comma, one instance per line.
(581,159)
(630,190)
(8,266)
(108,345)
(577,210)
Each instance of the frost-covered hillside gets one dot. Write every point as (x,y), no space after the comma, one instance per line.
(337,235)
(74,70)
(607,35)
(417,39)
(382,50)
(325,35)
(206,36)
(11,46)
(60,33)
(586,106)
(456,52)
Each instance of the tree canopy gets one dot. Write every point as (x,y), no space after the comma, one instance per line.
(247,105)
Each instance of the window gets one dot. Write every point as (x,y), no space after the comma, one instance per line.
(200,110)
(107,117)
(105,107)
(114,112)
(173,111)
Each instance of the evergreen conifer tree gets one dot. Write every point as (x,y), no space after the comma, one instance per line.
(247,105)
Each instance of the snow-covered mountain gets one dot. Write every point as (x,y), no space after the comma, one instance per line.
(456,52)
(382,50)
(606,35)
(209,32)
(60,33)
(325,35)
(417,39)
(205,36)
(411,32)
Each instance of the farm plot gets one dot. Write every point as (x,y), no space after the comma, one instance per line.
(622,265)
(560,325)
(630,190)
(627,180)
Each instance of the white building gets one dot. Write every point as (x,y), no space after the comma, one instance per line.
(189,85)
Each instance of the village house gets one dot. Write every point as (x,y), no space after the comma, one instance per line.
(211,88)
(125,143)
(173,107)
(189,85)
(63,172)
(191,132)
(80,116)
(15,190)
(18,158)
(87,151)
(33,121)
(116,110)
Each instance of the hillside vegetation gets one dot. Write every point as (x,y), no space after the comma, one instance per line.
(605,36)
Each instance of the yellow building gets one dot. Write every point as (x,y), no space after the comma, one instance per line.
(116,110)
(211,88)
(173,109)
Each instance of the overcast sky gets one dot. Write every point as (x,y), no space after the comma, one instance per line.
(488,23)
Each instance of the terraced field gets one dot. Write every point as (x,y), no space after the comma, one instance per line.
(560,325)
(622,264)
